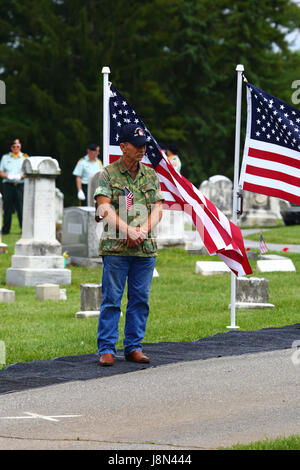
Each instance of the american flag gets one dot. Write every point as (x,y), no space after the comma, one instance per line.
(129,198)
(271,160)
(219,235)
(262,246)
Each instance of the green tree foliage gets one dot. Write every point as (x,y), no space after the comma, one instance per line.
(174,60)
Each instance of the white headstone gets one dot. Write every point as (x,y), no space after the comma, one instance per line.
(273,265)
(170,230)
(59,210)
(47,292)
(59,205)
(207,268)
(38,257)
(92,186)
(7,295)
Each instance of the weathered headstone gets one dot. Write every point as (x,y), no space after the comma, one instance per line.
(59,210)
(90,300)
(218,189)
(81,235)
(7,295)
(258,209)
(252,292)
(47,292)
(92,186)
(38,257)
(3,246)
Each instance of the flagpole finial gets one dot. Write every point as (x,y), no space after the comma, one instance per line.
(105,70)
(240,68)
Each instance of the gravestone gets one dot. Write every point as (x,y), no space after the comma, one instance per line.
(90,300)
(252,292)
(218,189)
(92,186)
(7,295)
(47,292)
(170,230)
(59,210)
(38,258)
(207,268)
(3,246)
(258,209)
(273,263)
(81,235)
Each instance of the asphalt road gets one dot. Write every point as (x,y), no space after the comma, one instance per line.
(201,404)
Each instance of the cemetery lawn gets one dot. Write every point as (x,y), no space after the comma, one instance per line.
(183,307)
(285,234)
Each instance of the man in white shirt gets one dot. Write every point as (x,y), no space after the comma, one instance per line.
(84,169)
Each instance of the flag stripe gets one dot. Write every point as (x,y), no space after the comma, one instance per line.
(275,175)
(274,184)
(274,157)
(255,188)
(269,165)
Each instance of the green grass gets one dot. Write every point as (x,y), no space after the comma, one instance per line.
(280,443)
(286,234)
(183,307)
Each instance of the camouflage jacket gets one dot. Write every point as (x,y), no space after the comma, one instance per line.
(114,179)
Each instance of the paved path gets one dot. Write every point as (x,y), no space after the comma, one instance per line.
(192,405)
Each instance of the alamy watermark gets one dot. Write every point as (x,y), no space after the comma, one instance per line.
(2,92)
(2,354)
(296,94)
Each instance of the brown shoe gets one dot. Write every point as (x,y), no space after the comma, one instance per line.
(137,356)
(106,359)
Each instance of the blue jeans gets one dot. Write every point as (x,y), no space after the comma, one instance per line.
(138,271)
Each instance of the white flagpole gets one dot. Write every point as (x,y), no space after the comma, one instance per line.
(105,72)
(239,69)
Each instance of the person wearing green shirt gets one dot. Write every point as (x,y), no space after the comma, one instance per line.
(12,184)
(129,200)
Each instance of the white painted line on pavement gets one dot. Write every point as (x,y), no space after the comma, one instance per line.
(37,416)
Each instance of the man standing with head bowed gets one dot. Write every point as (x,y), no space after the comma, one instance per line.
(130,199)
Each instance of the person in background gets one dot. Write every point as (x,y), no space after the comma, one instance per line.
(172,153)
(12,184)
(84,169)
